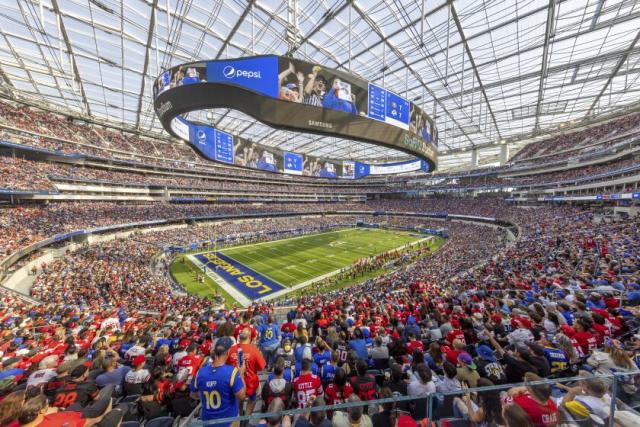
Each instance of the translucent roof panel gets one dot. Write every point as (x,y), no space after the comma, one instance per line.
(487,71)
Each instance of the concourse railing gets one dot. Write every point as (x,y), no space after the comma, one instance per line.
(621,403)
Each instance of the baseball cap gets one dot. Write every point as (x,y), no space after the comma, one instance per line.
(485,352)
(496,318)
(225,343)
(291,86)
(78,371)
(138,360)
(184,343)
(467,360)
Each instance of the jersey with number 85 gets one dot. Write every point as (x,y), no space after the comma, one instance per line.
(305,386)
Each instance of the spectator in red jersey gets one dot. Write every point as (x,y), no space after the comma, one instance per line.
(339,390)
(599,326)
(246,324)
(413,344)
(189,363)
(585,339)
(254,362)
(456,333)
(536,402)
(306,386)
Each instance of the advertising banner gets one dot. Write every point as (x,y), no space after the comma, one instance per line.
(293,163)
(259,74)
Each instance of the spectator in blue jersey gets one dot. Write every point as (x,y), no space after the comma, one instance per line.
(359,345)
(303,347)
(566,312)
(269,340)
(328,370)
(219,386)
(323,355)
(337,98)
(558,359)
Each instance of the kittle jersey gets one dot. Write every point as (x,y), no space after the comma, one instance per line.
(305,386)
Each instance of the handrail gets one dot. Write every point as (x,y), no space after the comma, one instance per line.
(398,399)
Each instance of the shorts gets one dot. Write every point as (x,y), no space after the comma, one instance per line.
(253,396)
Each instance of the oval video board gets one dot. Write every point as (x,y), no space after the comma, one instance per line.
(293,95)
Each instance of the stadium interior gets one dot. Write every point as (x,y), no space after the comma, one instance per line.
(423,213)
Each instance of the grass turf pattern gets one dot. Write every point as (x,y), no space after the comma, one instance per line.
(293,261)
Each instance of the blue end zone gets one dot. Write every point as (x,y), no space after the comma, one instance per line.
(250,283)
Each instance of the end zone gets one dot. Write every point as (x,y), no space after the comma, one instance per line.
(241,282)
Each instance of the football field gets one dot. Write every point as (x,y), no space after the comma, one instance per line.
(292,261)
(269,269)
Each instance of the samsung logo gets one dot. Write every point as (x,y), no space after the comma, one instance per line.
(320,124)
(164,107)
(230,72)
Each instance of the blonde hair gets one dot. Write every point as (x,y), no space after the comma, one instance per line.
(620,357)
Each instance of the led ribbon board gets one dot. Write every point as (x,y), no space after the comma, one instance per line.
(293,95)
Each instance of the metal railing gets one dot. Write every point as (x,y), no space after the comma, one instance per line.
(616,383)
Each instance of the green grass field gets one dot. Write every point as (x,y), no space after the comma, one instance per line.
(297,260)
(293,261)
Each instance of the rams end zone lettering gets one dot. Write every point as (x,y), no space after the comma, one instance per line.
(247,281)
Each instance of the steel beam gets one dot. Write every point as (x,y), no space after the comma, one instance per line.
(76,72)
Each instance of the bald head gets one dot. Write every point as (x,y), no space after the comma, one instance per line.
(245,335)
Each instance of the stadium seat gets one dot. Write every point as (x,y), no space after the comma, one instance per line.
(160,422)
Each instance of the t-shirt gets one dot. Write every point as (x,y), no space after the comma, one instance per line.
(137,377)
(115,377)
(540,415)
(456,334)
(415,344)
(218,387)
(334,395)
(63,419)
(328,372)
(586,340)
(364,387)
(491,370)
(360,347)
(305,386)
(42,376)
(254,362)
(72,392)
(190,363)
(341,348)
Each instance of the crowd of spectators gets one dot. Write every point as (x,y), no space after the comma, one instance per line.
(561,301)
(24,225)
(67,135)
(580,141)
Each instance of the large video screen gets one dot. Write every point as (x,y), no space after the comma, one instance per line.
(316,99)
